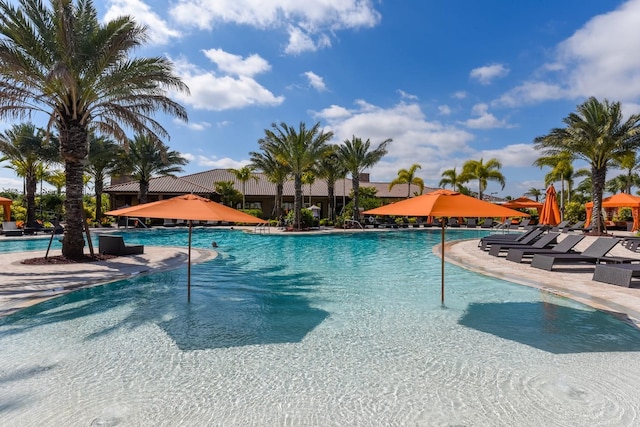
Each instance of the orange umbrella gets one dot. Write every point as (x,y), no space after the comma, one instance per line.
(6,205)
(550,214)
(621,200)
(444,203)
(191,208)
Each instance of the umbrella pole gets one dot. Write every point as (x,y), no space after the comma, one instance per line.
(189,265)
(442,256)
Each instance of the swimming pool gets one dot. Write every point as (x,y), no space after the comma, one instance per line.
(316,330)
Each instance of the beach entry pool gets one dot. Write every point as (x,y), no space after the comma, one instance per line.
(325,330)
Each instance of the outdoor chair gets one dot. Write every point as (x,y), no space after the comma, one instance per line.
(524,224)
(168,223)
(472,223)
(528,237)
(114,245)
(453,222)
(594,254)
(543,242)
(565,246)
(616,274)
(487,223)
(9,228)
(578,226)
(561,227)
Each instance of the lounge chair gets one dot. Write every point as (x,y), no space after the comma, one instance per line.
(488,223)
(543,242)
(616,274)
(565,246)
(472,223)
(503,225)
(524,224)
(453,222)
(168,223)
(578,226)
(561,227)
(9,228)
(526,238)
(594,254)
(114,245)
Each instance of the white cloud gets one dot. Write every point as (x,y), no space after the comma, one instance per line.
(514,155)
(485,120)
(316,81)
(405,95)
(236,64)
(197,126)
(461,94)
(600,59)
(485,75)
(223,163)
(444,110)
(308,23)
(217,93)
(10,183)
(415,139)
(159,31)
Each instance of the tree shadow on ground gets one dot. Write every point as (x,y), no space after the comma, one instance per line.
(553,328)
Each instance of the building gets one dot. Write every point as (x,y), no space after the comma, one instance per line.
(259,194)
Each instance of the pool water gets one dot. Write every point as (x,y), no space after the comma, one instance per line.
(342,329)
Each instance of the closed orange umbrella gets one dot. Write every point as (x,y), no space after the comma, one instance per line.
(445,203)
(191,208)
(550,214)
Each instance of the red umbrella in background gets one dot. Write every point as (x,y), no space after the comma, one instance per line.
(550,213)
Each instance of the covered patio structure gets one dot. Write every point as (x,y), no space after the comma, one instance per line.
(621,200)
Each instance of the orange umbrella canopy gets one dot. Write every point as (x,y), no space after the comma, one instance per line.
(550,213)
(189,207)
(522,203)
(445,203)
(6,207)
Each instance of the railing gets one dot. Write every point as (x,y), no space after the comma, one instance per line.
(354,222)
(262,228)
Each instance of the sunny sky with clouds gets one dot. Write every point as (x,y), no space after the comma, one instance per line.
(447,81)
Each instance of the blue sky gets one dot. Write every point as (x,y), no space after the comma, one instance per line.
(447,81)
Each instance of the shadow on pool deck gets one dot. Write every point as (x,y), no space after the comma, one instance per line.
(553,328)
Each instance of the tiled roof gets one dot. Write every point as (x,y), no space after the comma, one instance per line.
(204,183)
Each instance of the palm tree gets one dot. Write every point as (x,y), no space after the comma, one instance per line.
(534,192)
(483,172)
(330,169)
(58,179)
(356,156)
(276,172)
(309,177)
(450,177)
(243,175)
(103,161)
(561,166)
(148,157)
(408,177)
(630,164)
(62,61)
(596,134)
(24,147)
(299,151)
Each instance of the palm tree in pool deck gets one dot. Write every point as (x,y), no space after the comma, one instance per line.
(356,156)
(25,148)
(102,162)
(596,134)
(299,151)
(147,158)
(243,175)
(62,61)
(276,172)
(483,172)
(330,169)
(408,176)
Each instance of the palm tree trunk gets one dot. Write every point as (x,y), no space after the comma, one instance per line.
(598,183)
(297,205)
(355,181)
(331,208)
(99,185)
(74,150)
(144,190)
(279,193)
(31,187)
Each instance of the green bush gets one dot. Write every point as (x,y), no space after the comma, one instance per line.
(306,217)
(574,212)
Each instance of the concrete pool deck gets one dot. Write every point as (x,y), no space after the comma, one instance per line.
(23,285)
